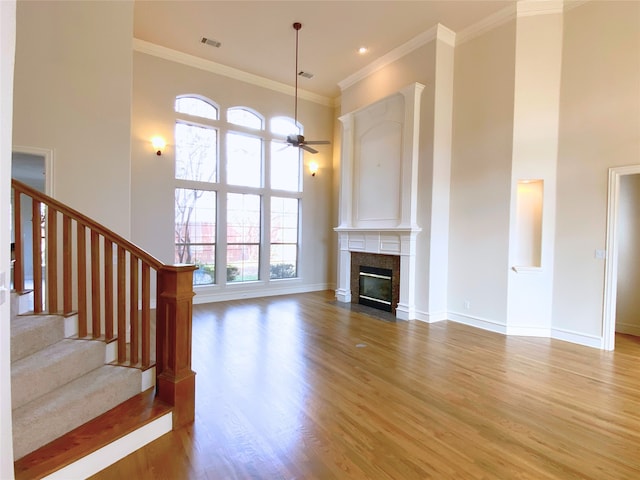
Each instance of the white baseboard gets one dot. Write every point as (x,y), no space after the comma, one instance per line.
(431,317)
(236,293)
(110,454)
(579,338)
(528,331)
(628,328)
(482,323)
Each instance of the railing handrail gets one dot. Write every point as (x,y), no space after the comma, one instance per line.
(91,224)
(175,381)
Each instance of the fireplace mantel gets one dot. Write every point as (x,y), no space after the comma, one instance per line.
(389,241)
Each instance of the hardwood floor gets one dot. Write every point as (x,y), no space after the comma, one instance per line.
(301,387)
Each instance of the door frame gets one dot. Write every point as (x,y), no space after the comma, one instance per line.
(611,265)
(47,153)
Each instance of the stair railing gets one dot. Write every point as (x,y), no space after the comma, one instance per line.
(74,265)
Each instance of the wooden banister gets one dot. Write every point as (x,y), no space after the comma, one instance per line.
(124,315)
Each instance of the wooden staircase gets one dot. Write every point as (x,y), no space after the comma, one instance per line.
(88,368)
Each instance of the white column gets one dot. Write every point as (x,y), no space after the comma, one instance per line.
(406,309)
(343,292)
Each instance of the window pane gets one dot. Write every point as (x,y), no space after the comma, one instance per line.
(195,232)
(244,117)
(243,237)
(244,160)
(196,152)
(285,167)
(197,107)
(283,261)
(284,238)
(283,126)
(243,263)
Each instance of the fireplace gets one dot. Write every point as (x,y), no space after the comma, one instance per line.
(379,197)
(375,288)
(375,280)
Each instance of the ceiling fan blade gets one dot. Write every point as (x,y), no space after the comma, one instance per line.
(317,142)
(308,149)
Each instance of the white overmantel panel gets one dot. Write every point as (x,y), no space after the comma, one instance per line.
(379,168)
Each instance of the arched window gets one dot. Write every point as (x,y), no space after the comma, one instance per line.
(226,198)
(245,117)
(196,106)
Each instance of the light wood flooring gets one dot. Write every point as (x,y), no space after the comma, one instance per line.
(299,387)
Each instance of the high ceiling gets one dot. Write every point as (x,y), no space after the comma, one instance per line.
(258,37)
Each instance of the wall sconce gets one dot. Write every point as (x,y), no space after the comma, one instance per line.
(158,144)
(313,168)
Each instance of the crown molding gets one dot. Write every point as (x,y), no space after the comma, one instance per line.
(393,55)
(530,8)
(446,35)
(165,53)
(488,23)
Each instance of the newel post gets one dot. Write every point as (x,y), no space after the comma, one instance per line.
(176,382)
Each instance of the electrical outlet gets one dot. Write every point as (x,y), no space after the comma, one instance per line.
(467,304)
(600,253)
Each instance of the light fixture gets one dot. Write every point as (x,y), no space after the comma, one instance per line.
(313,168)
(362,50)
(158,144)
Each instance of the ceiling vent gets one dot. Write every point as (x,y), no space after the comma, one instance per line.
(210,41)
(304,74)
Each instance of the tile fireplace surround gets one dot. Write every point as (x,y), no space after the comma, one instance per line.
(388,262)
(378,192)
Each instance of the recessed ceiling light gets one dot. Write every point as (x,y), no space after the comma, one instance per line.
(362,50)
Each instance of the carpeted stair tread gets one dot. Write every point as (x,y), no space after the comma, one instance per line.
(30,333)
(52,367)
(75,403)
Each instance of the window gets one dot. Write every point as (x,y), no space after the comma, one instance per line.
(196,106)
(244,117)
(195,223)
(243,237)
(236,202)
(196,152)
(284,238)
(244,160)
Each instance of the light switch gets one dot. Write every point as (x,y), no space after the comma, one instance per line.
(600,253)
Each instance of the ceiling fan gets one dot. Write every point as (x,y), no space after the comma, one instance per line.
(297,140)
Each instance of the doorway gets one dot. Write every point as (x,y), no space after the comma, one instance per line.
(624,192)
(31,166)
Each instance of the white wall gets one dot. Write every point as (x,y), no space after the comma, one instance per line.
(156,83)
(599,128)
(7,51)
(73,95)
(481,177)
(628,300)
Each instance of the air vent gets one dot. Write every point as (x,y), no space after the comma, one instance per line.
(210,41)
(305,74)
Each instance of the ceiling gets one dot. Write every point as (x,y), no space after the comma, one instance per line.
(258,36)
